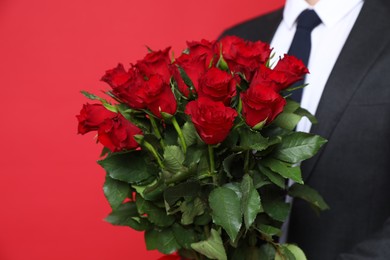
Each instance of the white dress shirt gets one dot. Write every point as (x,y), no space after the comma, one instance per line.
(327,40)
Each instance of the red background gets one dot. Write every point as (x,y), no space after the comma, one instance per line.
(52,203)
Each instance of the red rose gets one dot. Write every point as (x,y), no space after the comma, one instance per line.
(117,134)
(217,85)
(261,103)
(117,76)
(194,66)
(212,120)
(92,116)
(278,80)
(158,96)
(244,56)
(204,47)
(172,257)
(156,62)
(126,85)
(294,69)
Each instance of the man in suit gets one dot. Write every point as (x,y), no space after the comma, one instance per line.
(349,93)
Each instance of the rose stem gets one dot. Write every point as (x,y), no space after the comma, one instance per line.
(212,166)
(180,133)
(206,231)
(154,152)
(246,162)
(156,131)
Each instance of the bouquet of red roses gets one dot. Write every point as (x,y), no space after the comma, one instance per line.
(198,149)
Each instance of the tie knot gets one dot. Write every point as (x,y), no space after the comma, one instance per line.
(308,20)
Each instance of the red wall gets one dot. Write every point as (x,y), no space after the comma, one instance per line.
(52,204)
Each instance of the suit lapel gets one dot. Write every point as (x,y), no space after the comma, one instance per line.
(355,60)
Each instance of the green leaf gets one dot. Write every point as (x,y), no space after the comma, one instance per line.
(105,151)
(250,202)
(166,117)
(273,177)
(233,165)
(194,155)
(296,251)
(291,106)
(135,116)
(115,191)
(152,191)
(186,80)
(184,236)
(310,195)
(127,215)
(191,209)
(129,167)
(212,247)
(189,133)
(284,253)
(303,112)
(233,136)
(259,180)
(260,125)
(287,120)
(186,190)
(298,146)
(150,50)
(155,214)
(203,165)
(105,103)
(173,158)
(245,252)
(140,189)
(90,95)
(203,219)
(222,64)
(238,253)
(283,169)
(125,111)
(276,209)
(269,230)
(170,136)
(252,140)
(267,252)
(226,210)
(236,187)
(161,239)
(293,88)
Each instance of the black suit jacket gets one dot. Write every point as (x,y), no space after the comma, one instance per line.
(352,171)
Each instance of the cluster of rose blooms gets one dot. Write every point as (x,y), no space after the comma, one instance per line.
(208,75)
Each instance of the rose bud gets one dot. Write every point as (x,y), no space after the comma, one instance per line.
(194,66)
(212,120)
(117,76)
(244,56)
(92,116)
(206,48)
(156,62)
(158,96)
(293,68)
(117,134)
(261,104)
(126,85)
(217,85)
(277,80)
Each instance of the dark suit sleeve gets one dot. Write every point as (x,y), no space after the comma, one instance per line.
(375,248)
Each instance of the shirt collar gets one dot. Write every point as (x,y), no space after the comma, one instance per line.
(330,11)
